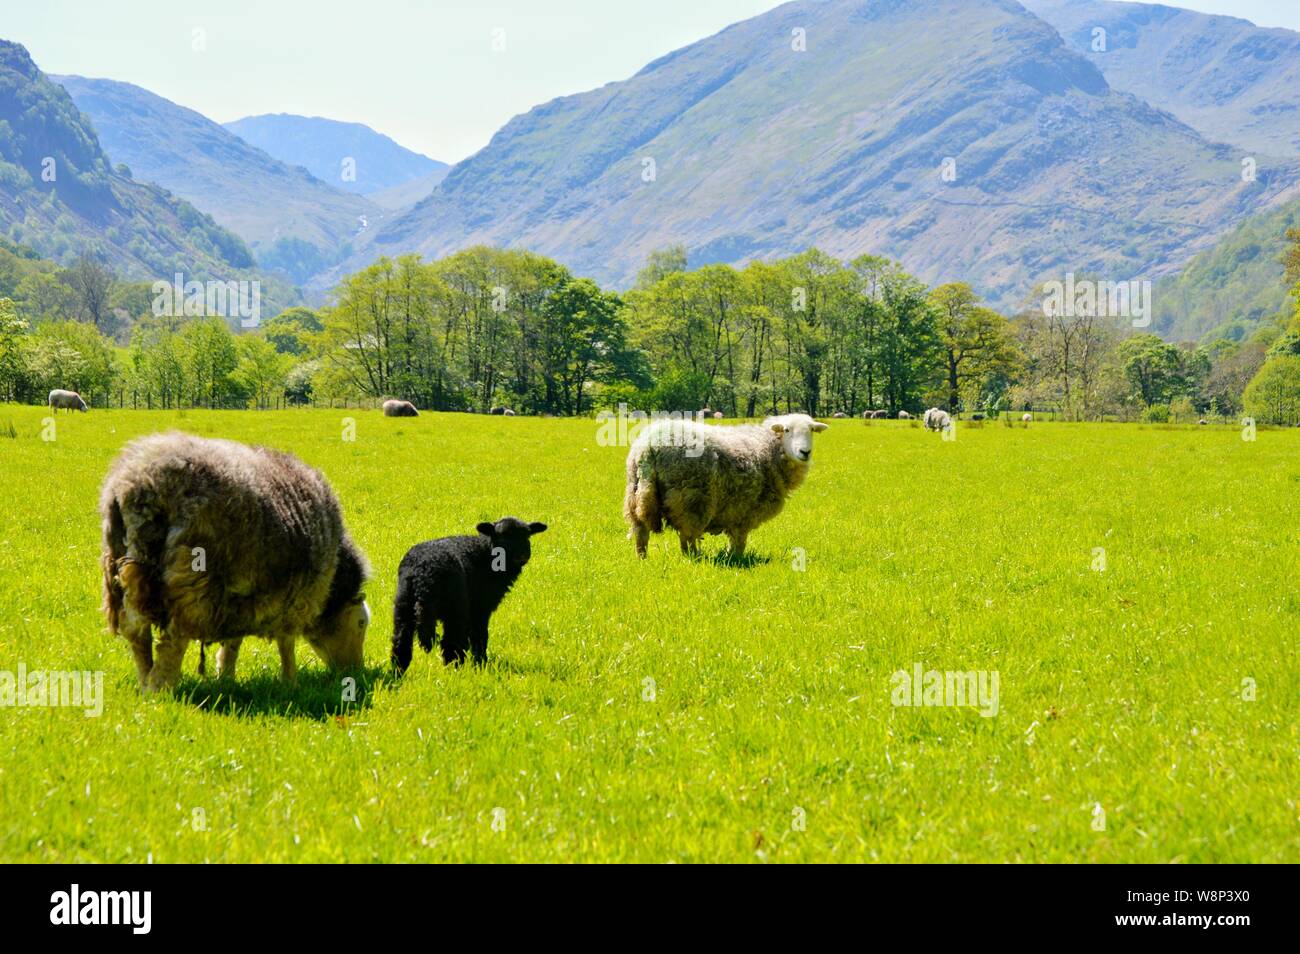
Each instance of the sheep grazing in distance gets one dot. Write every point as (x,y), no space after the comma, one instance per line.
(213,541)
(978,416)
(875,415)
(1026,418)
(459,581)
(501,410)
(904,416)
(400,409)
(937,419)
(717,415)
(838,415)
(508,413)
(699,479)
(1202,422)
(67,400)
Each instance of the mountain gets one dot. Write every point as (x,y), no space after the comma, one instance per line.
(322,146)
(294,222)
(1228,79)
(408,193)
(60,195)
(760,150)
(1233,287)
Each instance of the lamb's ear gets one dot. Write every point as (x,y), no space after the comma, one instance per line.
(819,426)
(536,528)
(487,529)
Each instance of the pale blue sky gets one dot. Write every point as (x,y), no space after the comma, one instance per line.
(421,71)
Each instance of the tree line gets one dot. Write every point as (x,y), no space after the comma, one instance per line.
(487,326)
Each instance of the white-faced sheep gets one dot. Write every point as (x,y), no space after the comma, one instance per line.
(66,400)
(213,541)
(700,479)
(394,408)
(937,419)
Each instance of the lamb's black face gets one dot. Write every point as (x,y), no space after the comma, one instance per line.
(513,536)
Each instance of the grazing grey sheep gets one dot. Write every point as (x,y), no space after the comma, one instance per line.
(213,541)
(400,409)
(937,419)
(496,410)
(718,415)
(1026,417)
(67,400)
(1202,422)
(508,413)
(459,581)
(904,416)
(700,479)
(838,415)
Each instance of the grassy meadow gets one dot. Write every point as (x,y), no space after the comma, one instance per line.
(701,710)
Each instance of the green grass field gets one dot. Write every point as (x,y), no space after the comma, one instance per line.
(679,710)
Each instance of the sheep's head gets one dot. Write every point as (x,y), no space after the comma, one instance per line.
(512,537)
(340,635)
(795,431)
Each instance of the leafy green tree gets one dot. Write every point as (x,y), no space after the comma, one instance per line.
(1152,367)
(1273,396)
(13,356)
(261,369)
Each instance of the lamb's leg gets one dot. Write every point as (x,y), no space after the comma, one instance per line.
(135,630)
(456,625)
(478,640)
(405,621)
(288,660)
(227,656)
(690,545)
(166,672)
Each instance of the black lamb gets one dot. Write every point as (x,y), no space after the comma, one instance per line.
(460,581)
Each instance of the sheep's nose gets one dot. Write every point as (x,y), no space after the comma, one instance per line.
(806,454)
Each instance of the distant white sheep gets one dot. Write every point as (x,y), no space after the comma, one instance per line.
(937,419)
(67,400)
(700,478)
(1026,418)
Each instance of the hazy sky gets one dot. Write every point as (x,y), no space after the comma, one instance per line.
(422,71)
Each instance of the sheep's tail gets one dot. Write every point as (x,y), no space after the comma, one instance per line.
(127,566)
(641,505)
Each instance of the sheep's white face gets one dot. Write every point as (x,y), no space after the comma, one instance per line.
(342,645)
(796,431)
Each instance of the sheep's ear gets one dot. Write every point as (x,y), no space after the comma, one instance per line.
(819,426)
(778,428)
(536,528)
(487,529)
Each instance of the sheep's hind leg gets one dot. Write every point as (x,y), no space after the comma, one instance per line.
(135,630)
(478,640)
(288,660)
(227,656)
(690,545)
(641,534)
(166,671)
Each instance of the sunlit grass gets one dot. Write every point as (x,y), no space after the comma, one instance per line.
(698,710)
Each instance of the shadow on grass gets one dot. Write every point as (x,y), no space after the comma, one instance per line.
(746,561)
(317,694)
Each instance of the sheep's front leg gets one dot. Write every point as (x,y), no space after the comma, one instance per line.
(227,656)
(288,659)
(166,672)
(737,538)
